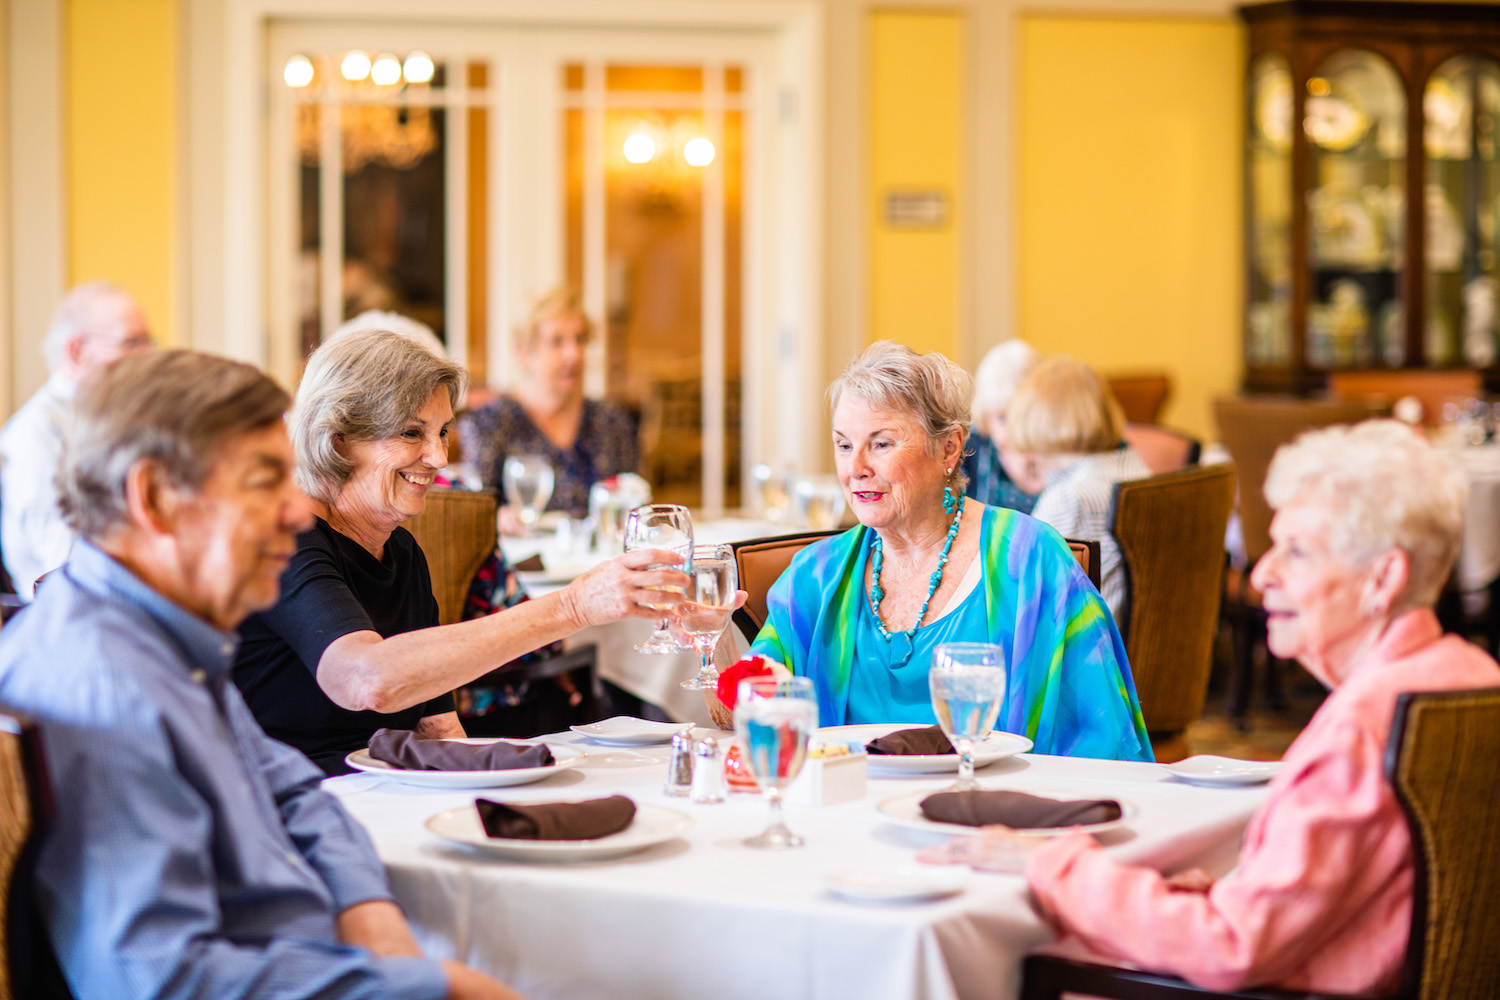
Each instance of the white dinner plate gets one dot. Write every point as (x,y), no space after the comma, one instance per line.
(996,746)
(906,810)
(627,731)
(652,825)
(564,757)
(1207,769)
(904,884)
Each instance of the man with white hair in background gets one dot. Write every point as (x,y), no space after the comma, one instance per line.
(96,323)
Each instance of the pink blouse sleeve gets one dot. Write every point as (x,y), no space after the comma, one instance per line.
(1323,848)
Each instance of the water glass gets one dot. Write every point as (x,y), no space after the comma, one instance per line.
(528,486)
(661,526)
(773,720)
(712,583)
(773,490)
(820,502)
(967,681)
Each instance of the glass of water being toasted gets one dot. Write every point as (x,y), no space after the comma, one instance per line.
(666,526)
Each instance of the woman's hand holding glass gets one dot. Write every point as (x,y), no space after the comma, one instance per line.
(669,527)
(634,585)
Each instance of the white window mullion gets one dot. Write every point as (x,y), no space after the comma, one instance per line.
(713,294)
(456,224)
(331,217)
(595,301)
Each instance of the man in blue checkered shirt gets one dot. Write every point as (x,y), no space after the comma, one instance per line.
(192,856)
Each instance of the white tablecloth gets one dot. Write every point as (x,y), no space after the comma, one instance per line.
(704,916)
(654,678)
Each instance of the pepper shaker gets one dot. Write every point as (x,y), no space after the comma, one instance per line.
(680,766)
(709,785)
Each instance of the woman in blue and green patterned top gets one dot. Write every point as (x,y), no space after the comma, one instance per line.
(861,612)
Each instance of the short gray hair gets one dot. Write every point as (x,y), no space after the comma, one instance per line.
(1385,488)
(362,386)
(176,408)
(997,376)
(928,387)
(78,314)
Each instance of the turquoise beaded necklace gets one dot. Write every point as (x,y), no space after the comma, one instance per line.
(877,592)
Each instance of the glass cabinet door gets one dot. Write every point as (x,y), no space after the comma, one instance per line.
(1355,120)
(1461,108)
(1269,154)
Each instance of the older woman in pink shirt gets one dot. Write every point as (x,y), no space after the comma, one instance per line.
(1367,526)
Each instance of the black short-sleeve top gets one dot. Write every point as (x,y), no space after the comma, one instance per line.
(332,587)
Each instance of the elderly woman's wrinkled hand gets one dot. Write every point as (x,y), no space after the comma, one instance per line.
(621,588)
(996,849)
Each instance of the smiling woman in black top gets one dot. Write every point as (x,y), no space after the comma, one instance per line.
(354,645)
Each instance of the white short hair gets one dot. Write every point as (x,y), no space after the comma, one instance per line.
(997,376)
(81,313)
(1384,487)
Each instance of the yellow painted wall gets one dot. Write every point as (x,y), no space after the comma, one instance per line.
(916,119)
(121,84)
(1129,200)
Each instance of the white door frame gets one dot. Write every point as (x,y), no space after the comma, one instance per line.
(783,315)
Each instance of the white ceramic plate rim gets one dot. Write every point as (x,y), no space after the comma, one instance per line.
(626,730)
(904,884)
(1211,769)
(996,746)
(906,810)
(652,825)
(564,757)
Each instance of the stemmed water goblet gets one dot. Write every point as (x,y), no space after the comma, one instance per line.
(773,720)
(666,526)
(528,485)
(967,681)
(713,582)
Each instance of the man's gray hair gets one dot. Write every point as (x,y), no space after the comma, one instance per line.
(77,315)
(174,408)
(928,387)
(1383,487)
(361,386)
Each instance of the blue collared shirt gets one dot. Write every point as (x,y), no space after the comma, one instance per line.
(192,855)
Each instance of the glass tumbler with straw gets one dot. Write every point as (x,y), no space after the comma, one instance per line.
(967,681)
(773,720)
(712,584)
(666,526)
(528,484)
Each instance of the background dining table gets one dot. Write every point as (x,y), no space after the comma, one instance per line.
(653,677)
(703,916)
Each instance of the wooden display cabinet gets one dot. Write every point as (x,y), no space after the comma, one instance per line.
(1372,190)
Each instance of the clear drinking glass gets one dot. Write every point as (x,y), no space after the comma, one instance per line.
(773,488)
(772,722)
(661,526)
(712,583)
(820,502)
(528,486)
(967,681)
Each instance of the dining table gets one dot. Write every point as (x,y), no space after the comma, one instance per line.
(655,678)
(701,915)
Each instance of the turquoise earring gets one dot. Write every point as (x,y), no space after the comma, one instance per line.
(950,499)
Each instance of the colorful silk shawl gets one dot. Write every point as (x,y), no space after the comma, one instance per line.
(1069,689)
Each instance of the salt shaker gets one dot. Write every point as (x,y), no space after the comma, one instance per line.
(680,766)
(709,785)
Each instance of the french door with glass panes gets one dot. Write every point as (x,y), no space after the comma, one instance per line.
(463,171)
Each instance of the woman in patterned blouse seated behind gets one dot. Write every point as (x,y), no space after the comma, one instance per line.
(586,440)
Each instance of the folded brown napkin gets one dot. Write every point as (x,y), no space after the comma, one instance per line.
(912,741)
(556,820)
(403,748)
(531,564)
(1016,809)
